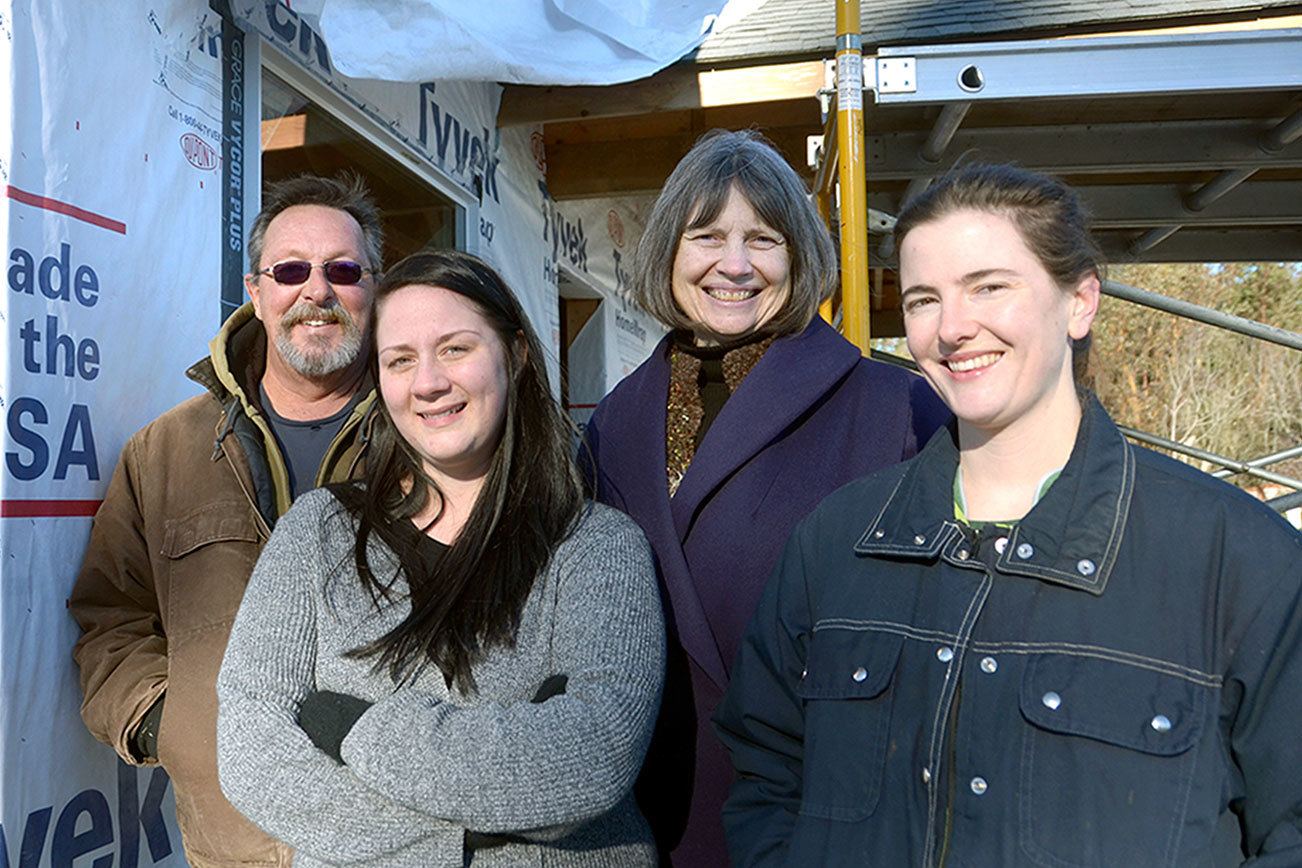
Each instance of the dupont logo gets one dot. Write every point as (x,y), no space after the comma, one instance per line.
(200,154)
(537,144)
(615,226)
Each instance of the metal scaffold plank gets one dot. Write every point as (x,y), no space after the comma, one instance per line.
(1140,206)
(1209,244)
(1250,60)
(1092,148)
(1260,203)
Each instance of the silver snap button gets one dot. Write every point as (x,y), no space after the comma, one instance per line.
(803,673)
(1085,567)
(879,533)
(1051,700)
(1001,544)
(926,775)
(962,554)
(989,665)
(979,786)
(1161,723)
(860,674)
(919,539)
(944,655)
(1025,550)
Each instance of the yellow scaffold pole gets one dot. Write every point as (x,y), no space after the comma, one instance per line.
(853,178)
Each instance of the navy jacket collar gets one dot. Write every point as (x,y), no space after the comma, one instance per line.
(1071,537)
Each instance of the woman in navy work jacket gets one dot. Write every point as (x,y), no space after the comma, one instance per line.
(737,425)
(1035,643)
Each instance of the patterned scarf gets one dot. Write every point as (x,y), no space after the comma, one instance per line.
(686,409)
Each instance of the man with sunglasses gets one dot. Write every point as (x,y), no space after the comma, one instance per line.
(197,492)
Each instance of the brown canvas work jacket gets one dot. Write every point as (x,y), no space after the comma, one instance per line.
(190,506)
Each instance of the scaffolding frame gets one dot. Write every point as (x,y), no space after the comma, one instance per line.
(956,75)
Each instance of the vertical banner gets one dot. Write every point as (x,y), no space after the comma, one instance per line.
(234,76)
(111,216)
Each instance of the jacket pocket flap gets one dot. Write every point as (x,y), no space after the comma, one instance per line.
(1123,704)
(849,664)
(215,522)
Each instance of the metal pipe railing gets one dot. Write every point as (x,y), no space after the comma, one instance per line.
(1207,315)
(1250,468)
(897,361)
(1265,461)
(1285,502)
(1210,457)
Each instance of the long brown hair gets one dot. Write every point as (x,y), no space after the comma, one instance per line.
(472,598)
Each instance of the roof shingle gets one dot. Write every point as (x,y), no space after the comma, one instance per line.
(796,29)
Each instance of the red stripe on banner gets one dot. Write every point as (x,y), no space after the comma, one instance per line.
(65,208)
(48,508)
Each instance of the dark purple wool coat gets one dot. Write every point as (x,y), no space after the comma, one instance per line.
(811,416)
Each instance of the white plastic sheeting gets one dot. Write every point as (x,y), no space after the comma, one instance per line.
(511,238)
(518,227)
(513,41)
(112,225)
(451,126)
(111,216)
(595,240)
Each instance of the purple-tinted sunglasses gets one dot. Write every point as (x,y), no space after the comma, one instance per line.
(341,272)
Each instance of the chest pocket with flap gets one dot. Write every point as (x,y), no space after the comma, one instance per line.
(209,554)
(1107,759)
(847,697)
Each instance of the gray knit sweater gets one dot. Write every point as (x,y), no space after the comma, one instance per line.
(426,763)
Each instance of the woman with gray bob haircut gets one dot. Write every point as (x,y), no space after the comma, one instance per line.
(698,191)
(748,413)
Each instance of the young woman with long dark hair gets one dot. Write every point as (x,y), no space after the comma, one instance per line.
(455,657)
(1036,643)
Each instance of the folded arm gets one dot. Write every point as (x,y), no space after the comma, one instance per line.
(269,767)
(525,765)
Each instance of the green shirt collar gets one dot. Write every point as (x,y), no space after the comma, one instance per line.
(960,502)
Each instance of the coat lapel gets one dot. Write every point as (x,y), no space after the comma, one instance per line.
(789,379)
(640,431)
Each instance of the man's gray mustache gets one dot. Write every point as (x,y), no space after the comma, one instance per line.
(303,313)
